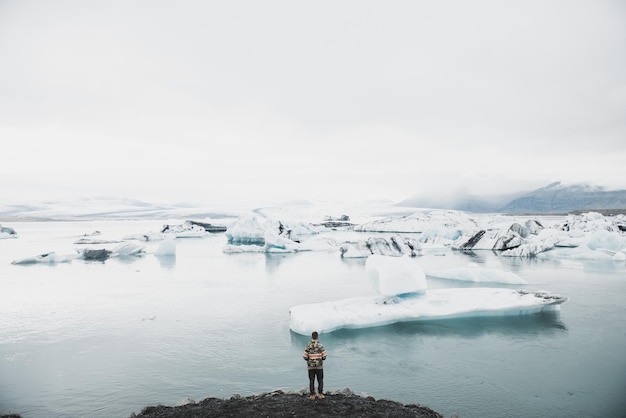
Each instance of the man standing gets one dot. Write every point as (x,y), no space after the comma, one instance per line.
(315,354)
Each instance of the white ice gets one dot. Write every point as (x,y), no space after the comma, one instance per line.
(166,247)
(263,234)
(7,232)
(364,312)
(396,245)
(515,236)
(395,275)
(475,273)
(47,258)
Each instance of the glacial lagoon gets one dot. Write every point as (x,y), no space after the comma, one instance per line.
(105,339)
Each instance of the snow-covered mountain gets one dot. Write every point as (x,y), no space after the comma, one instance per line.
(108,208)
(556,197)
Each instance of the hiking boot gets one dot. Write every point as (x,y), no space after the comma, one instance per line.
(321,396)
(312,397)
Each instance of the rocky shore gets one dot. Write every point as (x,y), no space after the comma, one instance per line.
(343,403)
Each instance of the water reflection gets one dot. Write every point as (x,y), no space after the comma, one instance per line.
(167,261)
(128,259)
(544,323)
(274,260)
(354,262)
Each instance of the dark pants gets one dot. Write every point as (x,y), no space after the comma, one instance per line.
(320,380)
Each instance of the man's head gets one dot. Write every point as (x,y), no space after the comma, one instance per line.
(314,335)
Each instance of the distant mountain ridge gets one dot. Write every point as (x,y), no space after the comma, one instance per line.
(556,197)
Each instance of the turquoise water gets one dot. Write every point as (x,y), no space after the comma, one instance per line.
(106,339)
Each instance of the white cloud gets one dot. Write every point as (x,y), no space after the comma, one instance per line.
(190,100)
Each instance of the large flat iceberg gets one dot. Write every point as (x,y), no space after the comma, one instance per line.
(363,312)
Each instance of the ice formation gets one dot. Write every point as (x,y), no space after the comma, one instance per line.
(395,245)
(127,249)
(185,230)
(592,233)
(364,312)
(450,223)
(167,247)
(475,273)
(403,296)
(7,232)
(395,275)
(256,234)
(47,258)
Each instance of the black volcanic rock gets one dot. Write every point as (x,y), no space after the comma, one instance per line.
(280,404)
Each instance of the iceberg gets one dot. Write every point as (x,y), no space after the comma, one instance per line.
(254,234)
(127,249)
(454,222)
(90,254)
(166,248)
(47,258)
(246,231)
(395,275)
(476,273)
(7,232)
(95,241)
(102,254)
(186,230)
(403,296)
(395,245)
(510,236)
(373,311)
(208,227)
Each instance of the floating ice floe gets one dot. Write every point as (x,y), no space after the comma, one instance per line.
(254,234)
(188,229)
(395,245)
(586,236)
(128,249)
(101,254)
(185,230)
(47,258)
(509,235)
(364,312)
(95,241)
(166,248)
(403,296)
(7,232)
(452,221)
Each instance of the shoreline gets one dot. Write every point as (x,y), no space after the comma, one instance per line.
(291,404)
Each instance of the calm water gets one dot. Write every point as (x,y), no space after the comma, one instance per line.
(106,339)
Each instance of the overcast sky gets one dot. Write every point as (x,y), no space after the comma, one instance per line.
(218,101)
